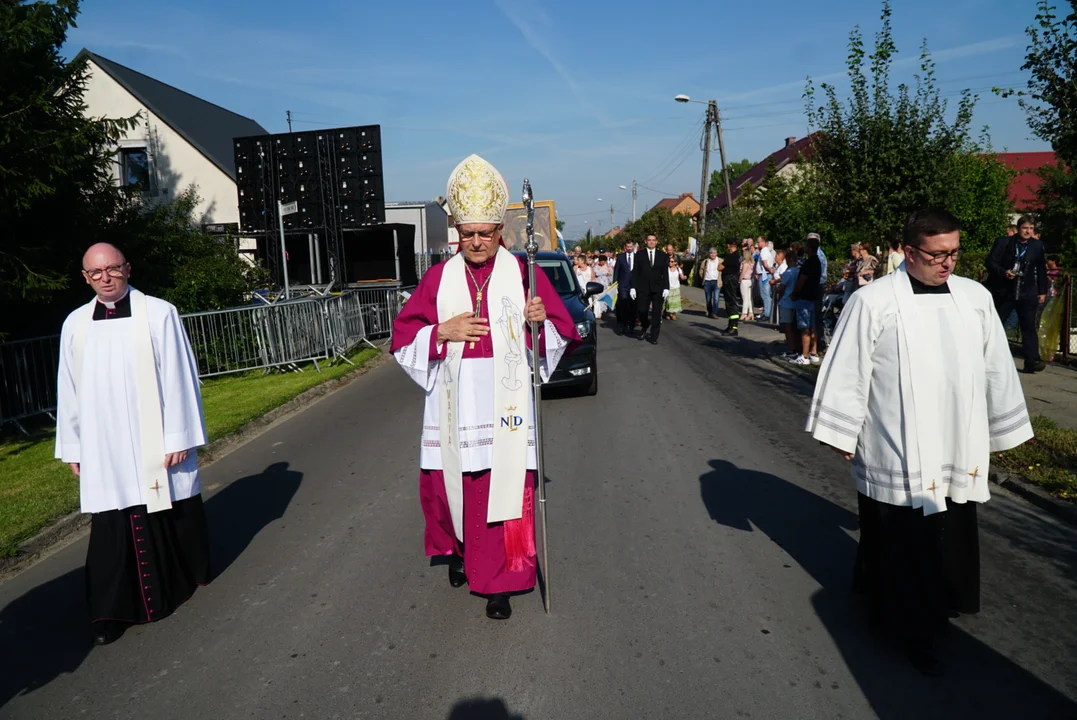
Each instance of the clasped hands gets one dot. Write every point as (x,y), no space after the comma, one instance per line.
(466,327)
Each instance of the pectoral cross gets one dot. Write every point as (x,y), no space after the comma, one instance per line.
(975,474)
(156,486)
(478,309)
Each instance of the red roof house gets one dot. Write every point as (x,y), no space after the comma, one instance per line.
(1023,188)
(793,151)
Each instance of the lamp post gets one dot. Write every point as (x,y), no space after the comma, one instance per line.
(712,117)
(633,198)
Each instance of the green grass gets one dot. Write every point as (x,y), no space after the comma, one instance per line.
(1048,460)
(36,489)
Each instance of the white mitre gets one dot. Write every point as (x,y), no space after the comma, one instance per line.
(477,193)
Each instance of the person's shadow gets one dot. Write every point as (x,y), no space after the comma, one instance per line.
(482,709)
(814,532)
(45,633)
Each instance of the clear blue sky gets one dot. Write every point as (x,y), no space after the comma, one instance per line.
(578,96)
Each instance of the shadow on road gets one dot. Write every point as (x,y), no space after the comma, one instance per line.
(813,531)
(482,709)
(45,633)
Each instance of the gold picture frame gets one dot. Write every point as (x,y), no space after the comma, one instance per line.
(515,231)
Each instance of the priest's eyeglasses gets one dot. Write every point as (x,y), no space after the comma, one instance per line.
(112,270)
(484,236)
(938,258)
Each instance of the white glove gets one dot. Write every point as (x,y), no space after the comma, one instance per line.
(665,294)
(632,293)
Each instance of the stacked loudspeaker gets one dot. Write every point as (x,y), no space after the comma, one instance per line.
(334,177)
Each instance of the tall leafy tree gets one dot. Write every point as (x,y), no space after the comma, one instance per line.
(883,153)
(1050,104)
(736,169)
(56,190)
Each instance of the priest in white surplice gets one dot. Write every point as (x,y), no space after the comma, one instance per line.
(463,338)
(128,420)
(918,389)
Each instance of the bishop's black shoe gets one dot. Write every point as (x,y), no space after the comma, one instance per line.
(498,608)
(925,658)
(107,631)
(456,571)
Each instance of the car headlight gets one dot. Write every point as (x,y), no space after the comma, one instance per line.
(583,328)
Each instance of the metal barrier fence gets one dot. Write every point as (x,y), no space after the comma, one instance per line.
(1065,290)
(28,377)
(253,337)
(425,261)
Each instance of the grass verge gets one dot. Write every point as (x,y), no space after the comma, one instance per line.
(36,489)
(1048,460)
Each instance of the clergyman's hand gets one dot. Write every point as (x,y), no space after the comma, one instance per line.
(536,311)
(1042,299)
(465,327)
(175,458)
(845,455)
(74,468)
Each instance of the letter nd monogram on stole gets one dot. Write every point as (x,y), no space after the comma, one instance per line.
(511,421)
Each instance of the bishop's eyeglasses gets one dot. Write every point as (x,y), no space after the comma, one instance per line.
(112,270)
(938,258)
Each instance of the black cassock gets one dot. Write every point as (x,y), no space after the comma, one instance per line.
(917,570)
(141,566)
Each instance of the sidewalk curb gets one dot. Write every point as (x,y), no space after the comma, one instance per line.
(71,527)
(1034,495)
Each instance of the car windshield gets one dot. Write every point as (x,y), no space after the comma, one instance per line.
(561,275)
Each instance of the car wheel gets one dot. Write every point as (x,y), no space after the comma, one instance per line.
(592,389)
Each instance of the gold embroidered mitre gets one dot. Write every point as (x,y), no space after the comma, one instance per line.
(477,193)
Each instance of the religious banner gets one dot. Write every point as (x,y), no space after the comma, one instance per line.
(515,232)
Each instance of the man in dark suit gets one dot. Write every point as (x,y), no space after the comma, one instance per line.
(1017,278)
(622,275)
(650,286)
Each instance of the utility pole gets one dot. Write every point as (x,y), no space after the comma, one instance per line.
(725,168)
(288,114)
(611,216)
(712,115)
(633,201)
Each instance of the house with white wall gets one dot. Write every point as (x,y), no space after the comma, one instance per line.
(180,139)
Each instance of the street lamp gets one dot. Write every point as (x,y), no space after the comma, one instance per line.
(712,117)
(633,198)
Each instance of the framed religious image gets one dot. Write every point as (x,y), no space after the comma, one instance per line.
(515,232)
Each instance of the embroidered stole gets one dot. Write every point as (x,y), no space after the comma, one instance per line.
(512,391)
(156,490)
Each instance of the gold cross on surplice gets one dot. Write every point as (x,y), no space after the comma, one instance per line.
(156,486)
(932,488)
(975,475)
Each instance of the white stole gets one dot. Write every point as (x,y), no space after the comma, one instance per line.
(512,393)
(921,404)
(151,424)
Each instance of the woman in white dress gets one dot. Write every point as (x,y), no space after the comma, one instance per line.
(747,265)
(603,276)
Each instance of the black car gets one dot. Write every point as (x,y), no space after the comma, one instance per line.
(580,367)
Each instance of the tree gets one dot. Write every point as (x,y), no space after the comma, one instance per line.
(560,224)
(736,169)
(1050,105)
(668,227)
(884,155)
(56,190)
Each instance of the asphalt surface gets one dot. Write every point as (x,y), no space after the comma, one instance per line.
(701,545)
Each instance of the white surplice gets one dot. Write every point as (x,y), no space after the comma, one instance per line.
(922,388)
(477,414)
(98,425)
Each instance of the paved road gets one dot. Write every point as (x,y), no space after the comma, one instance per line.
(702,549)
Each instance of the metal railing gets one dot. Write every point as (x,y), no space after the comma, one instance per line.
(425,261)
(28,377)
(254,337)
(1066,290)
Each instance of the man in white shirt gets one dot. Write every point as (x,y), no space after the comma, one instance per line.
(764,272)
(918,389)
(710,281)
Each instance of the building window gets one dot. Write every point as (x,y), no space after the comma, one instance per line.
(135,168)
